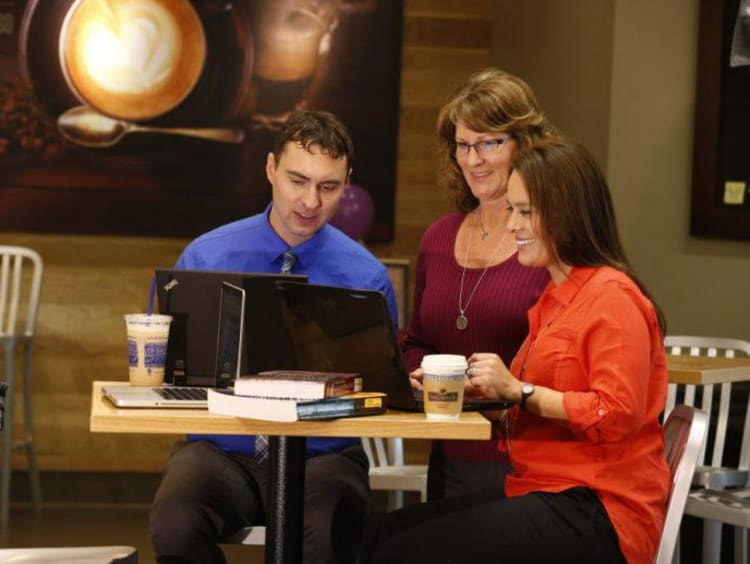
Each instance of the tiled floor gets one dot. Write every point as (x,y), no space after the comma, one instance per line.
(95,524)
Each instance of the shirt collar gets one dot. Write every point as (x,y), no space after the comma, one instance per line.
(558,296)
(568,288)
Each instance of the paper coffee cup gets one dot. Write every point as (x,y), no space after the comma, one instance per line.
(147,347)
(443,383)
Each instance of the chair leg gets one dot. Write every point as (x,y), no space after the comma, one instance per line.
(36,489)
(740,545)
(711,541)
(7,433)
(399,499)
(395,500)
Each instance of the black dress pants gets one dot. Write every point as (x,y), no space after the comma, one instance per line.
(206,493)
(450,477)
(570,526)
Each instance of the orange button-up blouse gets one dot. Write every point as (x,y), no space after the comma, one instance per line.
(595,337)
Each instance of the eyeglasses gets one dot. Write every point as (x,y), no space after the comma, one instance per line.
(461,149)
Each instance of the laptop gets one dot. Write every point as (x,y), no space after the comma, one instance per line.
(344,330)
(227,360)
(191,297)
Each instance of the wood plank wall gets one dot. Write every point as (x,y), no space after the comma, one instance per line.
(90,282)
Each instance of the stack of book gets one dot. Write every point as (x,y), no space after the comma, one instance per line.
(295,395)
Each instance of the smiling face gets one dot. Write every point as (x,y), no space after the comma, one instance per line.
(486,172)
(307,186)
(525,225)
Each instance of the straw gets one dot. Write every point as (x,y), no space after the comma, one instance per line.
(151,294)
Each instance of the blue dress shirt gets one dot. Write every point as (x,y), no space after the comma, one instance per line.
(329,258)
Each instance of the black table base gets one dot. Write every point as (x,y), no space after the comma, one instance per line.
(284,524)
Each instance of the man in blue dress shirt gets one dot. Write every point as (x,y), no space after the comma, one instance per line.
(216,484)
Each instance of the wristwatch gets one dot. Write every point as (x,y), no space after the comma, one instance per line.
(526,390)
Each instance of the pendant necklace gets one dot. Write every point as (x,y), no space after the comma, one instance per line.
(461,321)
(484,232)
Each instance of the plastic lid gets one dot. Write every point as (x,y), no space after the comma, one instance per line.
(432,362)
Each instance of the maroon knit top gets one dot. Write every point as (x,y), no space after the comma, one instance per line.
(496,314)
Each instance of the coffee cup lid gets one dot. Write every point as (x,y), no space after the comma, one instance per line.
(444,361)
(148,319)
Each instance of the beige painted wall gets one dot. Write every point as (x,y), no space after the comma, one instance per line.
(562,48)
(701,284)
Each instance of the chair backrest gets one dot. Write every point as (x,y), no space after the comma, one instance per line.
(711,347)
(20,285)
(398,271)
(388,471)
(684,433)
(382,453)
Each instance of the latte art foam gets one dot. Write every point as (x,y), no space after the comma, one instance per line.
(133,59)
(133,50)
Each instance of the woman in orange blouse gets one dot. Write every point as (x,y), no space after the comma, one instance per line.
(590,481)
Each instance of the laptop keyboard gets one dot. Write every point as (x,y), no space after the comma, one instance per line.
(183,393)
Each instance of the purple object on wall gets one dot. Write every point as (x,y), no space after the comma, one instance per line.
(356,212)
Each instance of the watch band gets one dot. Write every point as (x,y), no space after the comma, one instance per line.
(526,394)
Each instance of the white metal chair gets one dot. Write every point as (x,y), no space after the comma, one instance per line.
(684,434)
(712,472)
(388,471)
(249,535)
(20,285)
(726,501)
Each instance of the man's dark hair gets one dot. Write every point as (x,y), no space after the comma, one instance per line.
(322,129)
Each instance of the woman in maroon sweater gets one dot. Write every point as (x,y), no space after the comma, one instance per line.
(471,294)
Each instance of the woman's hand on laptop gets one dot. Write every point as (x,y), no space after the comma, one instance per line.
(415,379)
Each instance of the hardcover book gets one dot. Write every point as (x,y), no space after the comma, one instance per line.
(298,384)
(226,402)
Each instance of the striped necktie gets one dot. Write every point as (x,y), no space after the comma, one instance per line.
(287,262)
(261,441)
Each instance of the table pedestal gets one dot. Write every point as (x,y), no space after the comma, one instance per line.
(286,459)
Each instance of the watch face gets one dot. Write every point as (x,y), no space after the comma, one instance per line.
(527,389)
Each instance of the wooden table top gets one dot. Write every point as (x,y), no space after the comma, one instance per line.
(107,418)
(701,370)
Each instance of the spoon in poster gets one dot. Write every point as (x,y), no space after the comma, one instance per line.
(87,127)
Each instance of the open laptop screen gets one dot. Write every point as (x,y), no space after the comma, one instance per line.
(345,330)
(192,298)
(229,351)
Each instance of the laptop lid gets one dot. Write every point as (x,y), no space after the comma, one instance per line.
(229,339)
(267,342)
(192,298)
(231,316)
(344,330)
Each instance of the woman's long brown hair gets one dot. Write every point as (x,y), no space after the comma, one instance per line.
(577,220)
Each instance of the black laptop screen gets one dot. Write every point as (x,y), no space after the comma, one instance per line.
(229,351)
(343,330)
(192,298)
